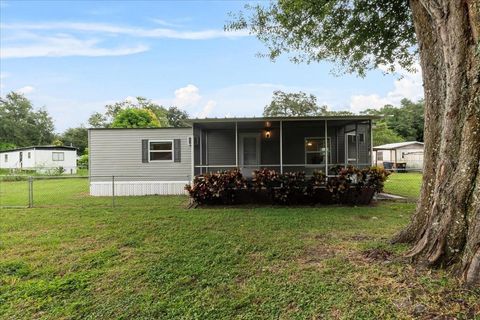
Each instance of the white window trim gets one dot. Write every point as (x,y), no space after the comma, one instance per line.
(172,150)
(329,149)
(58,152)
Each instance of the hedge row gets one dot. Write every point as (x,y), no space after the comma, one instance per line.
(349,186)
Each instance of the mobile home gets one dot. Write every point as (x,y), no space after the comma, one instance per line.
(42,159)
(164,160)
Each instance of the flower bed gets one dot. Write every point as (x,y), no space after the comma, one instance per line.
(350,186)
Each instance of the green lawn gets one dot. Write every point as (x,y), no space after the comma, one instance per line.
(170,262)
(64,192)
(404,184)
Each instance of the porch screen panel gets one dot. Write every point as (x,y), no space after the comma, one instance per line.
(315,150)
(250,151)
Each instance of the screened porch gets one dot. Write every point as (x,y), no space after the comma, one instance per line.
(283,144)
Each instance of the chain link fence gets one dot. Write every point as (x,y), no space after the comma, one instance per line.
(404,183)
(21,191)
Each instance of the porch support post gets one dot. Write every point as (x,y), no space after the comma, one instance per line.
(281,146)
(236,144)
(206,150)
(371,144)
(201,151)
(192,152)
(326,147)
(356,143)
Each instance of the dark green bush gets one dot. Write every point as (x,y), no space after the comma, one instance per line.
(216,188)
(289,187)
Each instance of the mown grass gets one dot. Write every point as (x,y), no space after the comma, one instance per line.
(406,184)
(171,262)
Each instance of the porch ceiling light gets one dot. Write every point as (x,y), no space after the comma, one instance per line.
(268,133)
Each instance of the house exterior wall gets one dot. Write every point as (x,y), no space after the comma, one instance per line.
(118,153)
(412,155)
(44,160)
(40,160)
(13,160)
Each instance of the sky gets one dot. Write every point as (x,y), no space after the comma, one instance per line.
(74,57)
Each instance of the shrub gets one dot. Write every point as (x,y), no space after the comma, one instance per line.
(292,188)
(375,177)
(350,185)
(217,187)
(265,179)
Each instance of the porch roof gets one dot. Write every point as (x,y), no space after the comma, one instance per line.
(285,119)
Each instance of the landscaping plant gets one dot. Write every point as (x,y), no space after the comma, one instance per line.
(350,186)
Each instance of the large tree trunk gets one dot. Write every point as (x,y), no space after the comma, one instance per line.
(445,229)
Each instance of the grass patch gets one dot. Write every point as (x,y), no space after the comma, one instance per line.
(406,184)
(170,262)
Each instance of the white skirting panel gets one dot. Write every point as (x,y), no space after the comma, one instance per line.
(138,188)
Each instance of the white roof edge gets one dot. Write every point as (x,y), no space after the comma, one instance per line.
(390,146)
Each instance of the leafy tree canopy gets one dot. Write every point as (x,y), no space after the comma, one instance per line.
(298,104)
(176,117)
(77,137)
(339,31)
(21,125)
(406,121)
(292,105)
(98,120)
(135,118)
(172,116)
(382,134)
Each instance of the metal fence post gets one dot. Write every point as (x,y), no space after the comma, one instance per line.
(113,191)
(30,192)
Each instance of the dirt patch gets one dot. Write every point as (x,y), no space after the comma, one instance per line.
(377,255)
(316,255)
(359,237)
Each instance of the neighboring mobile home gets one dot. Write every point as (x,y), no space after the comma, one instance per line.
(42,159)
(409,154)
(164,160)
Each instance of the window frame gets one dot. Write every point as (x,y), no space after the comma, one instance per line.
(29,155)
(5,158)
(328,147)
(172,151)
(58,152)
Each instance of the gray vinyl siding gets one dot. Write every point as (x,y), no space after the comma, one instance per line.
(221,147)
(117,152)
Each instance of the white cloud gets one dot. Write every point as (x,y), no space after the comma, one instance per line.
(187,96)
(124,30)
(64,45)
(25,90)
(409,86)
(131,99)
(207,109)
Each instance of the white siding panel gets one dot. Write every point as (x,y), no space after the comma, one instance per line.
(138,188)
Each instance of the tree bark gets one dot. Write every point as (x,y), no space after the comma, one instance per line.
(445,229)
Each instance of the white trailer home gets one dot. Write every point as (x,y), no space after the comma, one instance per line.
(409,154)
(42,159)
